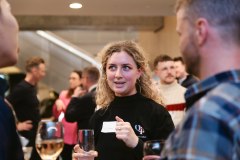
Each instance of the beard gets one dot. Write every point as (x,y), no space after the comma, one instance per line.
(193,64)
(191,57)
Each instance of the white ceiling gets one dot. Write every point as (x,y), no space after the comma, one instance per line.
(94,7)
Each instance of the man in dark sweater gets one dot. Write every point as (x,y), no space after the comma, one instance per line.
(24,99)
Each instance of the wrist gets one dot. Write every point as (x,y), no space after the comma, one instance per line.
(135,142)
(19,126)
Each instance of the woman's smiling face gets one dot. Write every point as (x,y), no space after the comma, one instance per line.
(122,74)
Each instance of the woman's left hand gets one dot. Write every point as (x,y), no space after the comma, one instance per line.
(125,133)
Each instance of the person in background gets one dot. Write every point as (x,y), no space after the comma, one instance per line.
(210,44)
(185,79)
(172,92)
(24,100)
(46,105)
(21,126)
(10,146)
(60,106)
(126,98)
(82,104)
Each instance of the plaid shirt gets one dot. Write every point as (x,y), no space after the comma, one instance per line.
(211,128)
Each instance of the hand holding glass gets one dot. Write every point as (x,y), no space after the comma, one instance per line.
(152,149)
(49,140)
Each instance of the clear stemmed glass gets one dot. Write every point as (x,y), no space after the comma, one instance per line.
(49,140)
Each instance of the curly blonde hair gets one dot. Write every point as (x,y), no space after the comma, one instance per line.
(144,84)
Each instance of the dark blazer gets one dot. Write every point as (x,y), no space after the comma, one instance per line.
(80,109)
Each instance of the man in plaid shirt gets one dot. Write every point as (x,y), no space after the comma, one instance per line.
(209,33)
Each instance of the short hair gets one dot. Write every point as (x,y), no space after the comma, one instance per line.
(33,62)
(223,14)
(161,58)
(92,73)
(144,84)
(176,59)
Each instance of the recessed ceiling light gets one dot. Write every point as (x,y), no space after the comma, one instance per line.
(75,5)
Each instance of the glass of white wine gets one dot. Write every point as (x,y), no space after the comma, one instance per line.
(49,140)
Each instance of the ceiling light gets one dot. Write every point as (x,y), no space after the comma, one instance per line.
(75,5)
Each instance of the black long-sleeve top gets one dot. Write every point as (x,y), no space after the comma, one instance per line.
(148,119)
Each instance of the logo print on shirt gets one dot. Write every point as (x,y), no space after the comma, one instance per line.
(139,128)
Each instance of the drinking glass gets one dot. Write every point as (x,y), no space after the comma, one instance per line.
(153,147)
(49,140)
(86,139)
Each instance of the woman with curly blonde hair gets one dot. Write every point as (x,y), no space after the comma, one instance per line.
(144,84)
(130,110)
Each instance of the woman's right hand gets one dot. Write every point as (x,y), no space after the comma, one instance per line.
(79,92)
(79,154)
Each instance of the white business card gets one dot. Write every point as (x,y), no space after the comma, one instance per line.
(109,127)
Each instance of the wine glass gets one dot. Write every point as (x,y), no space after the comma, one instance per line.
(86,139)
(49,140)
(153,149)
